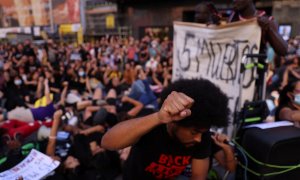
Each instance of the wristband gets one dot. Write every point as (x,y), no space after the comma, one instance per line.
(52,137)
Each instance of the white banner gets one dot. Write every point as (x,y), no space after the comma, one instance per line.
(3,32)
(215,53)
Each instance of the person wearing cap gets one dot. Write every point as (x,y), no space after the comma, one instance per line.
(165,142)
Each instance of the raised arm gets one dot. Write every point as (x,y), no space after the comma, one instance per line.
(272,35)
(226,155)
(50,150)
(62,95)
(200,169)
(289,114)
(129,132)
(175,108)
(47,91)
(39,88)
(90,130)
(138,106)
(88,85)
(294,73)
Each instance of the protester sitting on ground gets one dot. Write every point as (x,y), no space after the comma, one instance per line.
(32,114)
(95,113)
(83,82)
(113,110)
(177,133)
(276,81)
(289,103)
(144,52)
(16,93)
(128,75)
(71,102)
(111,79)
(86,158)
(222,152)
(141,90)
(58,57)
(53,79)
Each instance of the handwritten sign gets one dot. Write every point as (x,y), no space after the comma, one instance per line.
(215,53)
(35,166)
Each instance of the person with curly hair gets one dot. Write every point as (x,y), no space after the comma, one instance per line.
(165,142)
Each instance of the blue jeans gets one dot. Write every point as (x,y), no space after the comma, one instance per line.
(137,89)
(140,90)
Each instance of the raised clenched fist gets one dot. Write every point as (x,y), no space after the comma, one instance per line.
(176,107)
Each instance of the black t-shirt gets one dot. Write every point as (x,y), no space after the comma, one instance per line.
(55,83)
(28,51)
(158,156)
(18,55)
(214,149)
(15,96)
(83,54)
(104,165)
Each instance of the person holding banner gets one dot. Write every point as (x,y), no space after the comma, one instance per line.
(165,142)
(206,13)
(245,9)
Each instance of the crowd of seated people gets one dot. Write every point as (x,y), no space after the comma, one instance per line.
(64,98)
(282,78)
(61,99)
(51,89)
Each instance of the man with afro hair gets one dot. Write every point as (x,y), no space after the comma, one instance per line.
(165,142)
